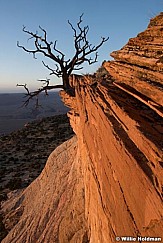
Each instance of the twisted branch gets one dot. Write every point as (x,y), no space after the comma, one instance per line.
(35,94)
(63,68)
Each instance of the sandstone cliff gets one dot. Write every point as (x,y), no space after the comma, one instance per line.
(138,68)
(51,209)
(107,182)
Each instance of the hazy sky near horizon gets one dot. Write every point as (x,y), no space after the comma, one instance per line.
(120,20)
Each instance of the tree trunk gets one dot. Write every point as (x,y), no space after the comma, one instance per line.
(66,85)
(65,78)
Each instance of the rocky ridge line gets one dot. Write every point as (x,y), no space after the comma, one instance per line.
(108,182)
(138,66)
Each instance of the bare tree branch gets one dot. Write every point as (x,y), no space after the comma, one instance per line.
(34,94)
(57,71)
(63,68)
(83,47)
(25,87)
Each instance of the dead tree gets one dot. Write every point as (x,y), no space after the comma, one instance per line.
(63,68)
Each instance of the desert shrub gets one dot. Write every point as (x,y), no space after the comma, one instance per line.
(14,183)
(2,171)
(3,196)
(102,74)
(3,231)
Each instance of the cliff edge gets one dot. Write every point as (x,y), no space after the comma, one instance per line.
(51,209)
(107,182)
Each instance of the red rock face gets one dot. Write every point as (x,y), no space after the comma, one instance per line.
(110,182)
(119,130)
(138,66)
(119,141)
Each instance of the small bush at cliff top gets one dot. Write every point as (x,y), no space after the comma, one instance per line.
(102,73)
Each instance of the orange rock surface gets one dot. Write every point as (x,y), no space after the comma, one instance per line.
(138,66)
(51,209)
(107,182)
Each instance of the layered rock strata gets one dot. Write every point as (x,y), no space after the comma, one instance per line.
(119,130)
(108,183)
(138,66)
(120,142)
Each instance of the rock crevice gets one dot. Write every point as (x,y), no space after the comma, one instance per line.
(107,182)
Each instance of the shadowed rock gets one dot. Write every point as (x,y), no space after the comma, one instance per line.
(108,181)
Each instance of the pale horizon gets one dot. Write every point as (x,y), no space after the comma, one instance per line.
(120,20)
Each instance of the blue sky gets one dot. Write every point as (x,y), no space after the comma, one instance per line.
(120,20)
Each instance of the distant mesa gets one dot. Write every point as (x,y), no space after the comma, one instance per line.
(107,181)
(13,116)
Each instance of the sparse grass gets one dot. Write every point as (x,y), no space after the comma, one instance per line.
(3,231)
(14,183)
(3,196)
(24,153)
